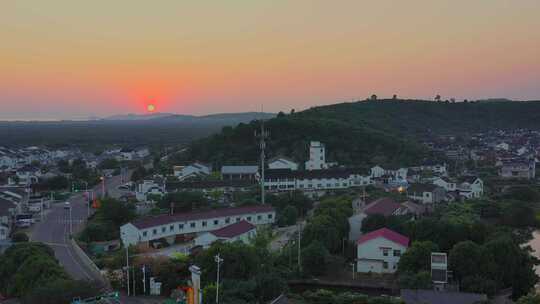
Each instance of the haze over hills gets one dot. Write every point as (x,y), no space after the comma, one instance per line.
(226,118)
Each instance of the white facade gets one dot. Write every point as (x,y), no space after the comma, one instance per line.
(379,255)
(473,189)
(317,157)
(148,187)
(283,163)
(446,184)
(193,223)
(315,182)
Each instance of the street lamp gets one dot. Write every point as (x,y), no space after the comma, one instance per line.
(218,260)
(102,178)
(353,272)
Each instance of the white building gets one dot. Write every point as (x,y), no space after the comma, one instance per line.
(317,157)
(395,173)
(240,172)
(426,193)
(445,183)
(315,180)
(192,170)
(242,231)
(502,147)
(282,163)
(149,187)
(471,187)
(379,251)
(168,227)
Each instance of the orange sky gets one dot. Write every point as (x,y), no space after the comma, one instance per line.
(73,59)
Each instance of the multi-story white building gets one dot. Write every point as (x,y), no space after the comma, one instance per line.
(169,227)
(317,157)
(315,180)
(519,169)
(379,251)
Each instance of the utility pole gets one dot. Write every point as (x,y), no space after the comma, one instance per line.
(263,135)
(127,268)
(144,279)
(299,247)
(70,221)
(134,280)
(353,272)
(218,260)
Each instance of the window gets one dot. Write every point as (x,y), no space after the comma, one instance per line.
(143,234)
(397,253)
(249,218)
(259,217)
(171,228)
(385,251)
(238,219)
(163,229)
(270,216)
(180,226)
(227,220)
(192,225)
(385,265)
(204,223)
(216,222)
(154,231)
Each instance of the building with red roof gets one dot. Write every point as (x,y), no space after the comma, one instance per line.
(379,251)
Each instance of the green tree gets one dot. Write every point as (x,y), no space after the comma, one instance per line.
(314,258)
(529,299)
(418,257)
(467,259)
(288,216)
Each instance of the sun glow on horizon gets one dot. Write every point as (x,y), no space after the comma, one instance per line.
(151,108)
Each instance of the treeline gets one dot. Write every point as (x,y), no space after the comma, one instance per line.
(346,142)
(412,117)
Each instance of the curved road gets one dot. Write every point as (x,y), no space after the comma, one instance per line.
(54,230)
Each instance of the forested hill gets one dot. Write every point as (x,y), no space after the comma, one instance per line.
(363,133)
(413,117)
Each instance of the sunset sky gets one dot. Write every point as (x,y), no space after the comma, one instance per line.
(74,59)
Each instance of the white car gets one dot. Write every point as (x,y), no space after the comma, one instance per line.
(67,205)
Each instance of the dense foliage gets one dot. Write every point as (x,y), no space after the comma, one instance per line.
(27,266)
(105,224)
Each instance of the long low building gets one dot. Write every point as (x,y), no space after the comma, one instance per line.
(169,227)
(327,179)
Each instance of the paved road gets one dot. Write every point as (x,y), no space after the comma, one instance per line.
(54,230)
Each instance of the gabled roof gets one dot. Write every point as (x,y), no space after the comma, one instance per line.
(233,230)
(384,206)
(384,233)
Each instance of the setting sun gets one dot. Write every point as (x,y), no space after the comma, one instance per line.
(150,108)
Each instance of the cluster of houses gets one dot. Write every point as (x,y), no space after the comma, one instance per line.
(319,177)
(513,153)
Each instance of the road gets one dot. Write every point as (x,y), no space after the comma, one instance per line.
(54,229)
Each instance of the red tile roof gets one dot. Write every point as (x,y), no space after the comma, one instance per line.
(234,229)
(384,233)
(192,216)
(385,206)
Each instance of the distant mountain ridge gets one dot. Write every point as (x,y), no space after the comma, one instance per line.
(232,118)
